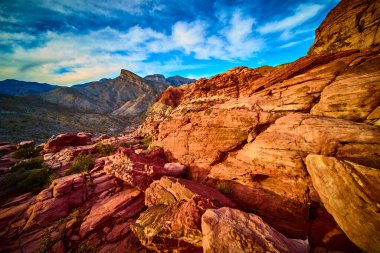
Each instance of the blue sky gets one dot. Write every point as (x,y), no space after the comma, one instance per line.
(75,41)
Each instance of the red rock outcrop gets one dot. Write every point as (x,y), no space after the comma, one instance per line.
(68,139)
(231,230)
(122,205)
(349,192)
(351,24)
(173,220)
(248,133)
(139,170)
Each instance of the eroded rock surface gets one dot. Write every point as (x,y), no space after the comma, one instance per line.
(231,230)
(139,170)
(351,24)
(349,192)
(173,219)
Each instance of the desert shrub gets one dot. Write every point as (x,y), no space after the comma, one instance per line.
(208,111)
(105,149)
(26,152)
(146,142)
(86,247)
(223,188)
(31,164)
(81,163)
(127,144)
(29,175)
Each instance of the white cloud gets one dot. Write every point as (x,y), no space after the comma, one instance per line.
(302,13)
(69,57)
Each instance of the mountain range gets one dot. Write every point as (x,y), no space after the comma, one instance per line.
(104,106)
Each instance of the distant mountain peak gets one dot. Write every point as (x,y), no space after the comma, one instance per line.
(127,74)
(173,80)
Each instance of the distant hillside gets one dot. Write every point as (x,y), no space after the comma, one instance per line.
(128,95)
(173,80)
(21,88)
(25,118)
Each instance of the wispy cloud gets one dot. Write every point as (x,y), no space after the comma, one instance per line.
(301,14)
(293,43)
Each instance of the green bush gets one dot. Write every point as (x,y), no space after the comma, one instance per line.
(223,188)
(105,149)
(27,176)
(146,142)
(31,164)
(81,163)
(26,152)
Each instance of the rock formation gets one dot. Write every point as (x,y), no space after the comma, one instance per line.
(271,159)
(248,132)
(352,24)
(231,230)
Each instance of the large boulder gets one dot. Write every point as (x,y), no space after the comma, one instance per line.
(67,139)
(231,230)
(175,227)
(139,170)
(169,190)
(350,193)
(173,220)
(269,176)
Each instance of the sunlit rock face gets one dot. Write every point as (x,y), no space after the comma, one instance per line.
(248,132)
(351,25)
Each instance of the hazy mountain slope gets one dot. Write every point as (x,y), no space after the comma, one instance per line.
(24,118)
(20,88)
(109,95)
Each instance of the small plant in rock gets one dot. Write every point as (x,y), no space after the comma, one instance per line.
(81,163)
(26,152)
(105,149)
(86,247)
(224,188)
(46,243)
(146,142)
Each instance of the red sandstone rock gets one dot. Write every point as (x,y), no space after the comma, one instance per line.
(349,192)
(169,190)
(7,148)
(139,170)
(63,140)
(352,24)
(175,227)
(124,204)
(231,230)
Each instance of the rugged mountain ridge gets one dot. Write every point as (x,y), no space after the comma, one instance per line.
(279,159)
(127,95)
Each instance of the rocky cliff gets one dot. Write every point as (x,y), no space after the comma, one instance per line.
(282,159)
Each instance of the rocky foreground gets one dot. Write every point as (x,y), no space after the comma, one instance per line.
(282,159)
